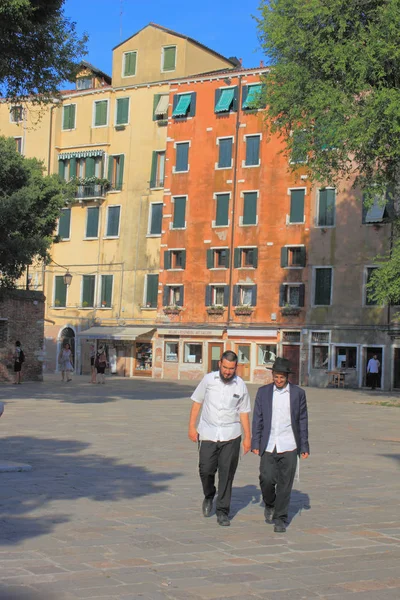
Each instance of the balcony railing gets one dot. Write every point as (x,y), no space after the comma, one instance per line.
(88,192)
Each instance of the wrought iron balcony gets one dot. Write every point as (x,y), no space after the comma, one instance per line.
(90,192)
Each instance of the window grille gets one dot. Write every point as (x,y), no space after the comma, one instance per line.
(320,337)
(291,336)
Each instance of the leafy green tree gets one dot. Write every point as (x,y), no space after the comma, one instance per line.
(39,49)
(30,205)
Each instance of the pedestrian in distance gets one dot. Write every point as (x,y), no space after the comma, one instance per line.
(373,368)
(93,370)
(19,358)
(224,403)
(280,435)
(101,364)
(65,360)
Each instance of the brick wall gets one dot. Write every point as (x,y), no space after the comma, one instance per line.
(21,318)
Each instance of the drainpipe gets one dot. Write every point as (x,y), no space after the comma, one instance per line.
(234,196)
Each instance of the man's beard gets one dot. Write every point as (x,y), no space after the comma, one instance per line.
(226,379)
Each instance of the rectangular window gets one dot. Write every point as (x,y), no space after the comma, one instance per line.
(84,83)
(323,286)
(252,150)
(115,171)
(320,357)
(193,353)
(266,354)
(179,219)
(160,107)
(100,113)
(16,114)
(64,224)
(182,157)
(92,222)
(368,274)
(291,295)
(346,357)
(299,153)
(173,295)
(249,208)
(60,292)
(88,286)
(157,169)
(174,259)
(69,112)
(217,295)
(18,144)
(113,218)
(168,58)
(297,206)
(252,98)
(244,295)
(379,210)
(122,117)
(225,100)
(217,258)
(106,291)
(245,258)
(326,207)
(155,218)
(293,256)
(151,290)
(171,352)
(221,210)
(184,105)
(225,153)
(130,59)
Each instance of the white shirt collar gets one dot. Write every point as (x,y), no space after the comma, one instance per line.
(283,390)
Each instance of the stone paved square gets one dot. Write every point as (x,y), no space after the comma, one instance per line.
(112,505)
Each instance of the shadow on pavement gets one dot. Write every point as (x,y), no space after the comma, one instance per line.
(64,470)
(22,593)
(242,497)
(298,501)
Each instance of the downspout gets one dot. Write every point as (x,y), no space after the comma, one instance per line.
(234,196)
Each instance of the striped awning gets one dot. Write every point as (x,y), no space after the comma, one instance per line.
(84,154)
(162,106)
(225,100)
(183,105)
(253,95)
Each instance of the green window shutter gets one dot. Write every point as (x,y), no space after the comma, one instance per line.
(222,212)
(113,221)
(156,100)
(228,258)
(167,259)
(252,150)
(72,168)
(181,296)
(166,296)
(106,290)
(182,157)
(64,224)
(111,161)
(225,153)
(237,255)
(192,108)
(250,208)
(61,169)
(302,256)
(179,212)
(153,174)
(152,291)
(253,295)
(210,258)
(226,295)
(120,172)
(169,58)
(282,294)
(60,291)
(208,295)
(88,284)
(92,222)
(235,295)
(69,116)
(129,64)
(156,219)
(90,167)
(301,294)
(323,283)
(183,260)
(297,206)
(255,258)
(284,256)
(100,115)
(122,111)
(326,212)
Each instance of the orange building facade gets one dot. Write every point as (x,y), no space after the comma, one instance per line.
(234,238)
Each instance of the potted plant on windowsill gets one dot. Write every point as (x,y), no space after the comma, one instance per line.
(172,310)
(244,310)
(103,304)
(215,309)
(288,310)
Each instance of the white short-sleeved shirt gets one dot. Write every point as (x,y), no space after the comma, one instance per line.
(222,405)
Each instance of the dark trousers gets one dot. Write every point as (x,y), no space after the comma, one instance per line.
(373,380)
(224,457)
(277,473)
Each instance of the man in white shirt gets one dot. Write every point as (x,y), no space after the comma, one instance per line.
(373,370)
(224,402)
(280,434)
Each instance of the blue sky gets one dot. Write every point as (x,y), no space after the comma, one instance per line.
(227,28)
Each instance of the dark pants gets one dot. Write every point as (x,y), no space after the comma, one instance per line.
(373,380)
(277,473)
(224,457)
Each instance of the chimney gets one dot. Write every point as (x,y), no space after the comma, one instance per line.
(261,63)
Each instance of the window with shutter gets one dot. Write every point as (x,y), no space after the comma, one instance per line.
(62,169)
(222,210)
(326,207)
(88,286)
(323,286)
(299,147)
(225,153)
(69,116)
(249,208)
(64,224)
(184,105)
(122,111)
(179,221)
(252,97)
(113,218)
(182,157)
(155,222)
(297,206)
(130,59)
(293,256)
(100,113)
(225,100)
(157,169)
(92,222)
(116,171)
(106,291)
(60,291)
(252,150)
(169,58)
(151,290)
(291,295)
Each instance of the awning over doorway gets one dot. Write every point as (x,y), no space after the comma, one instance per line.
(116,333)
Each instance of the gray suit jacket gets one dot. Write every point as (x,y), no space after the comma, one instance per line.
(262,418)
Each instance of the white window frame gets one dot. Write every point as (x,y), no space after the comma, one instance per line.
(213,293)
(326,344)
(76,115)
(317,226)
(289,284)
(153,235)
(86,221)
(244,166)
(94,295)
(158,152)
(54,294)
(20,137)
(175,250)
(245,285)
(22,114)
(113,237)
(171,224)
(314,281)
(175,146)
(94,113)
(294,246)
(289,193)
(100,289)
(258,205)
(193,343)
(170,286)
(214,249)
(225,137)
(162,58)
(348,345)
(213,222)
(116,112)
(106,168)
(145,292)
(123,63)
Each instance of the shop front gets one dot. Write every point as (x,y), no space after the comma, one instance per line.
(256,350)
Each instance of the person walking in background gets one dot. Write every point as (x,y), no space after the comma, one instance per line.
(373,368)
(280,434)
(101,364)
(19,358)
(65,360)
(224,402)
(93,371)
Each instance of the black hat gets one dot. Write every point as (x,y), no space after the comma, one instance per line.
(281,365)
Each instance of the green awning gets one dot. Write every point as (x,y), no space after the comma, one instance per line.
(84,154)
(225,100)
(182,107)
(253,95)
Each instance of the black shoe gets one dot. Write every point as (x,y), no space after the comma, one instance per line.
(207,507)
(279,527)
(269,514)
(223,520)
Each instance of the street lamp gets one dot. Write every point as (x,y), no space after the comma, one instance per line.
(67,278)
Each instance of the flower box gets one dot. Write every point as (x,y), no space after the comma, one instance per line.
(215,310)
(172,310)
(244,311)
(290,311)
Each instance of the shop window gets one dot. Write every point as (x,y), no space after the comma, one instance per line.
(266,353)
(320,357)
(193,353)
(144,357)
(171,352)
(346,357)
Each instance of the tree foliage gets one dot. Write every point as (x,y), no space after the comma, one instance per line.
(30,204)
(333,90)
(39,49)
